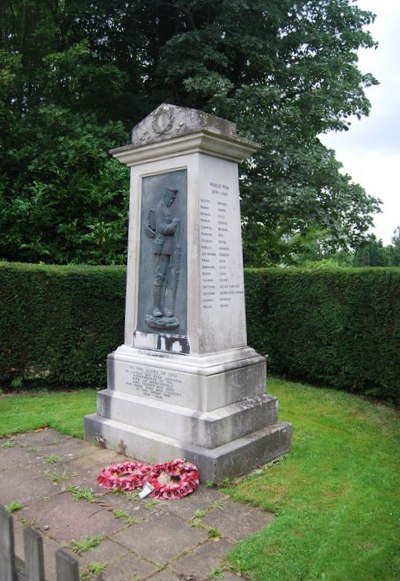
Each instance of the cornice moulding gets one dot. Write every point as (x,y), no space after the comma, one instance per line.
(206,142)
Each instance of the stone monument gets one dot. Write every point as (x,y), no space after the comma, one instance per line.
(184,383)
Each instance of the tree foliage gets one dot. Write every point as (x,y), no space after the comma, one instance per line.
(66,200)
(372,252)
(74,73)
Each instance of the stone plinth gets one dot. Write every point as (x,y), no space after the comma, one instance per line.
(185,383)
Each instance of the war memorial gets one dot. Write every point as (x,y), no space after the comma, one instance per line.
(185,384)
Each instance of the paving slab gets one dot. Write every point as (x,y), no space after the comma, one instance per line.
(203,560)
(98,458)
(161,538)
(63,520)
(107,552)
(19,485)
(13,456)
(40,439)
(129,568)
(158,543)
(75,474)
(203,500)
(236,520)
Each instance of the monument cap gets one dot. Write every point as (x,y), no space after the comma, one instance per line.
(169,121)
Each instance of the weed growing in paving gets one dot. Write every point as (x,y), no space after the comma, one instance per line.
(218,504)
(93,569)
(79,493)
(13,506)
(29,523)
(59,478)
(150,504)
(217,573)
(86,544)
(123,515)
(52,459)
(197,518)
(213,533)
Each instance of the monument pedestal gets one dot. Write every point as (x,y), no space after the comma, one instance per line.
(211,410)
(185,384)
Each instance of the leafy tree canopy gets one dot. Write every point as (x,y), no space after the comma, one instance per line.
(76,75)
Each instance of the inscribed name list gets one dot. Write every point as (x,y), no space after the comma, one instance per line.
(222,288)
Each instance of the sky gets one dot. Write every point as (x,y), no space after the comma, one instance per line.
(370,150)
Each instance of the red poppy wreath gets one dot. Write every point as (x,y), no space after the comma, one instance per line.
(170,480)
(126,476)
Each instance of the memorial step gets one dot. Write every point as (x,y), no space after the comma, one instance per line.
(209,429)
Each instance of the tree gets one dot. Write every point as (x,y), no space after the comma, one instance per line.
(65,200)
(371,252)
(394,249)
(61,197)
(284,70)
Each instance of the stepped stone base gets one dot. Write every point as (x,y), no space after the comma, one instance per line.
(212,411)
(233,459)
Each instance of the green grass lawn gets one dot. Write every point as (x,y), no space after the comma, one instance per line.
(335,496)
(62,411)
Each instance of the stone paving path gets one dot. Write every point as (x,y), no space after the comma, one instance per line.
(184,539)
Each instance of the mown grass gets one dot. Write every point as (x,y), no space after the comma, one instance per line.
(62,411)
(335,495)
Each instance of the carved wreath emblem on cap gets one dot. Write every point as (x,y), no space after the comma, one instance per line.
(163,121)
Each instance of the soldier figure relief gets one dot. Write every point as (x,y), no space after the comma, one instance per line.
(165,231)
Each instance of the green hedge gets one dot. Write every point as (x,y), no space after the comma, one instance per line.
(57,323)
(338,327)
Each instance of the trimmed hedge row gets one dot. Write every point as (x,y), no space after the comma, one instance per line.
(57,323)
(338,327)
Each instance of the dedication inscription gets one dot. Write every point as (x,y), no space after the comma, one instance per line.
(155,383)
